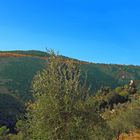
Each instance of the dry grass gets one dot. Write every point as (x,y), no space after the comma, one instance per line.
(20,55)
(33,56)
(130,136)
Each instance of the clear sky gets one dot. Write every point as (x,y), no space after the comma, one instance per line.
(105,31)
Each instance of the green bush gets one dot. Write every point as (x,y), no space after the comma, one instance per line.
(62,109)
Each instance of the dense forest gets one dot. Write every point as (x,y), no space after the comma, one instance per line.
(66,99)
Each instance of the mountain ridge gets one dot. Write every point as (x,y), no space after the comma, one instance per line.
(98,74)
(42,54)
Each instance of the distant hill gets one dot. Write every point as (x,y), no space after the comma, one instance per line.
(17,69)
(30,52)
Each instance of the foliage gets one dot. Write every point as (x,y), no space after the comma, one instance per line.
(124,117)
(115,106)
(61,109)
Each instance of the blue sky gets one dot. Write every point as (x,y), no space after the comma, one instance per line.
(105,31)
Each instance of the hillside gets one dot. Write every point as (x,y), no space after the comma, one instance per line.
(17,69)
(27,63)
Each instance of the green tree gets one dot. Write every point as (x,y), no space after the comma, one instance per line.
(62,109)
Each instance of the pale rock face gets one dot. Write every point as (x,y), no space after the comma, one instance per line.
(131,82)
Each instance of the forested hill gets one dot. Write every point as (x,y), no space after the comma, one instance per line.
(17,69)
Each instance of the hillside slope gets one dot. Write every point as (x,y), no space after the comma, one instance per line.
(17,69)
